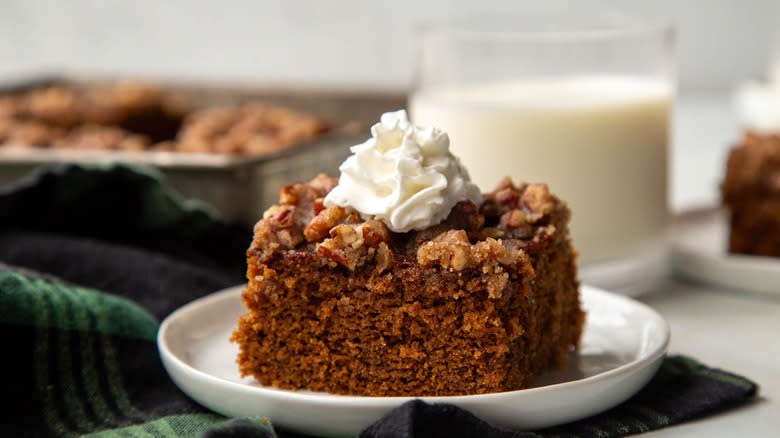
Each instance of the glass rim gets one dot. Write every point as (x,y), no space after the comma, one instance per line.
(465,31)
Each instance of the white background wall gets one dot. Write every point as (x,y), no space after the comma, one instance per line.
(329,42)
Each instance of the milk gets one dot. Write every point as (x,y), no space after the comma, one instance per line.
(600,142)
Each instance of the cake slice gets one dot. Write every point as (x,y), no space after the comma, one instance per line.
(751,193)
(401,279)
(480,303)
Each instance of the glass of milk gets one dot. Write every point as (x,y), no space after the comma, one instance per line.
(580,101)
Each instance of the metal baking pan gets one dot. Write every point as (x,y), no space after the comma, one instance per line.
(239,187)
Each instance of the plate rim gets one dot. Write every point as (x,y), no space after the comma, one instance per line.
(688,257)
(376,401)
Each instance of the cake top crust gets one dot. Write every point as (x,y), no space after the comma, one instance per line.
(513,223)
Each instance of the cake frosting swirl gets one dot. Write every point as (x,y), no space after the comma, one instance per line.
(404,175)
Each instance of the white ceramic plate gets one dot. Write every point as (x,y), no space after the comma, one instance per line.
(623,346)
(700,252)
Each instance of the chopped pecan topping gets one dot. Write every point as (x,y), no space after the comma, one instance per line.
(375,232)
(290,193)
(293,221)
(518,209)
(320,226)
(513,219)
(284,218)
(348,247)
(501,232)
(491,232)
(290,238)
(452,250)
(348,234)
(508,196)
(319,205)
(538,201)
(322,184)
(384,257)
(345,246)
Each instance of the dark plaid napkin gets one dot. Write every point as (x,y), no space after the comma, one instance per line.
(92,258)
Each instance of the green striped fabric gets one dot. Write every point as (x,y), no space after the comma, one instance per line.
(42,302)
(77,370)
(171,426)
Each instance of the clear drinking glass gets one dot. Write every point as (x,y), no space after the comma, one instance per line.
(580,101)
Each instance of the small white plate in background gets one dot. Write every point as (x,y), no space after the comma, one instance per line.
(700,252)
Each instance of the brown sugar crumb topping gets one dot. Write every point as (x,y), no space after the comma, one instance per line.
(352,245)
(521,205)
(320,225)
(453,250)
(285,226)
(486,237)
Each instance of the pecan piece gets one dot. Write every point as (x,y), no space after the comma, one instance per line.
(320,226)
(513,219)
(384,257)
(290,194)
(375,232)
(323,184)
(508,196)
(345,246)
(538,201)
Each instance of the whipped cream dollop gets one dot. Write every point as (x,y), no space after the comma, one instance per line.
(758,104)
(403,175)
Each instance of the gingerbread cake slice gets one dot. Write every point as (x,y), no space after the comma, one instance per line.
(751,193)
(369,299)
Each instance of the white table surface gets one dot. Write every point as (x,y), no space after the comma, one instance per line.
(732,330)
